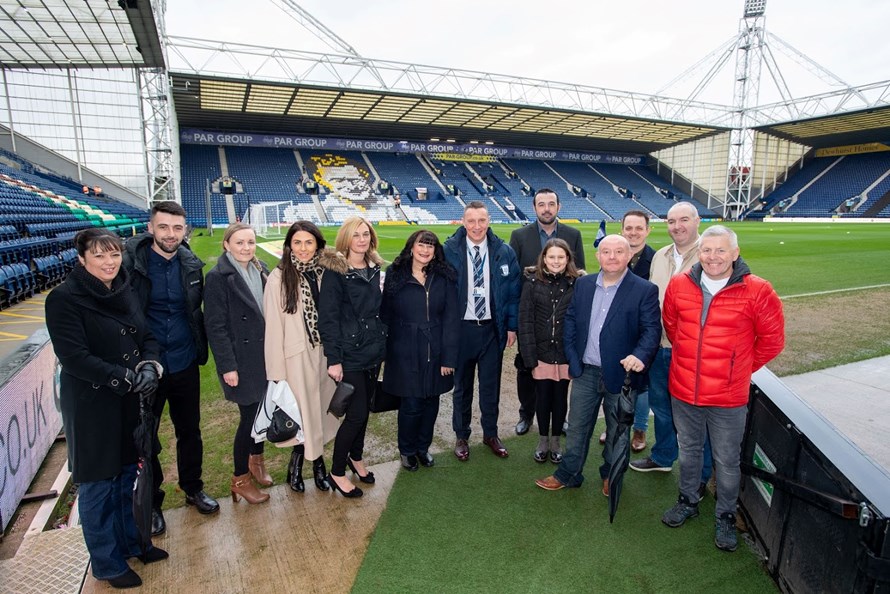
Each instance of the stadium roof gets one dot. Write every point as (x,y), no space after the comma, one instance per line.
(78,34)
(252,105)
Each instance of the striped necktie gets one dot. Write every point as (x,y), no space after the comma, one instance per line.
(478,283)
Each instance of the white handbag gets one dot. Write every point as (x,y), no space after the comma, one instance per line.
(278,395)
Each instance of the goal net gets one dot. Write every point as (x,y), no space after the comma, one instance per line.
(266,217)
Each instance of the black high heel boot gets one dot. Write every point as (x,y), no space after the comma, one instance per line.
(295,469)
(321,474)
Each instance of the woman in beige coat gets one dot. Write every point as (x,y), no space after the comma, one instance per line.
(293,346)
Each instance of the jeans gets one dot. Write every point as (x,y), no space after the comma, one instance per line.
(588,392)
(109,529)
(417,419)
(478,346)
(641,412)
(726,428)
(182,390)
(665,450)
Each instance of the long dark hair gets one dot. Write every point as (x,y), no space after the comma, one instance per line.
(571,271)
(438,265)
(290,276)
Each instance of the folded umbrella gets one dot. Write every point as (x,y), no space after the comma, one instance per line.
(146,437)
(621,444)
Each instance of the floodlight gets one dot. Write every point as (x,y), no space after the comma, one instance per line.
(755,8)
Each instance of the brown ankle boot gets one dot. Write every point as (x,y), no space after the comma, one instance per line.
(242,486)
(257,467)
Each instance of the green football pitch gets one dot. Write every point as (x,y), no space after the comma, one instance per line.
(798,258)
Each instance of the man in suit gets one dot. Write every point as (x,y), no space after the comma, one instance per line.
(612,328)
(488,298)
(527,242)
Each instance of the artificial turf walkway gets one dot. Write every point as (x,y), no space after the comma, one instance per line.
(483,526)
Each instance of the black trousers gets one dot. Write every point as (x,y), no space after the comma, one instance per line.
(244,444)
(525,390)
(552,405)
(350,440)
(182,390)
(417,420)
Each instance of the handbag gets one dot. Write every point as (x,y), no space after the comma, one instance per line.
(282,427)
(382,401)
(278,417)
(340,399)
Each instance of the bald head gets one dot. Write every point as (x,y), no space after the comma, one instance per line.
(613,254)
(683,222)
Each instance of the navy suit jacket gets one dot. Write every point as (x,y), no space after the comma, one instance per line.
(633,327)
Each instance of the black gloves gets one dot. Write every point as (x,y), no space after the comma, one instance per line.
(146,380)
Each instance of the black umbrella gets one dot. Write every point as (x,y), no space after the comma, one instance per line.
(621,444)
(146,437)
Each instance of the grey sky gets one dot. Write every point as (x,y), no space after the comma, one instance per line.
(630,45)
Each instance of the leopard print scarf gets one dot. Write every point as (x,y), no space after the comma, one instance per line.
(310,313)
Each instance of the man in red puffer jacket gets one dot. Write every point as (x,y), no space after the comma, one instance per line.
(724,324)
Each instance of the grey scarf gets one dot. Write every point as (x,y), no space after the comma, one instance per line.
(252,278)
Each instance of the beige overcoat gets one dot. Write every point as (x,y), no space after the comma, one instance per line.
(289,356)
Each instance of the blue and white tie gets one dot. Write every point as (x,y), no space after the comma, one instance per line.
(478,283)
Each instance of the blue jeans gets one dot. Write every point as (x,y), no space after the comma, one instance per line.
(109,530)
(588,392)
(641,412)
(665,450)
(726,428)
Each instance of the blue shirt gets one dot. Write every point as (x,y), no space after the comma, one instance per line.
(167,313)
(602,302)
(542,235)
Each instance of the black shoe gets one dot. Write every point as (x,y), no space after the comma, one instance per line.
(409,463)
(203,502)
(523,426)
(367,479)
(356,492)
(320,473)
(130,579)
(295,471)
(426,459)
(158,525)
(153,555)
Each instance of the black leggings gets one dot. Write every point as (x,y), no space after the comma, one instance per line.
(350,440)
(244,444)
(551,398)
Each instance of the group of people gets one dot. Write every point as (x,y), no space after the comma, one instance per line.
(128,325)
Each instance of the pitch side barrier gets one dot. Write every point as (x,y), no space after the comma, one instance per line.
(815,503)
(30,417)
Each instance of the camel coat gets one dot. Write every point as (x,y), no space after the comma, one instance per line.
(290,357)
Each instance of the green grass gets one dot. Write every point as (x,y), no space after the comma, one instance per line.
(483,526)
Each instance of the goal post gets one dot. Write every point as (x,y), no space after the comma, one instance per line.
(266,217)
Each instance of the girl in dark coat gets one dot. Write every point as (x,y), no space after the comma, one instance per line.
(421,312)
(542,308)
(108,358)
(354,340)
(233,317)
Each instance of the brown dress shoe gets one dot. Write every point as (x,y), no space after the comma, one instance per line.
(550,483)
(606,487)
(638,442)
(603,438)
(496,446)
(462,450)
(257,467)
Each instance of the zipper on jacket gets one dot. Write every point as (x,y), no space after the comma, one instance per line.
(701,336)
(429,346)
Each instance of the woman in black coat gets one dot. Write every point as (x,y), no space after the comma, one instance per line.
(233,317)
(421,312)
(354,340)
(542,308)
(108,359)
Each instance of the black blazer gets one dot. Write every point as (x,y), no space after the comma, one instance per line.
(526,242)
(644,265)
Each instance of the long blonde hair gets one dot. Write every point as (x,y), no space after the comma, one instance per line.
(344,238)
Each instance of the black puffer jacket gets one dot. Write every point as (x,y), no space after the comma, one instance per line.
(542,309)
(349,323)
(135,262)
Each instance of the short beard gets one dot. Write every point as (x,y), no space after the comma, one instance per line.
(166,250)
